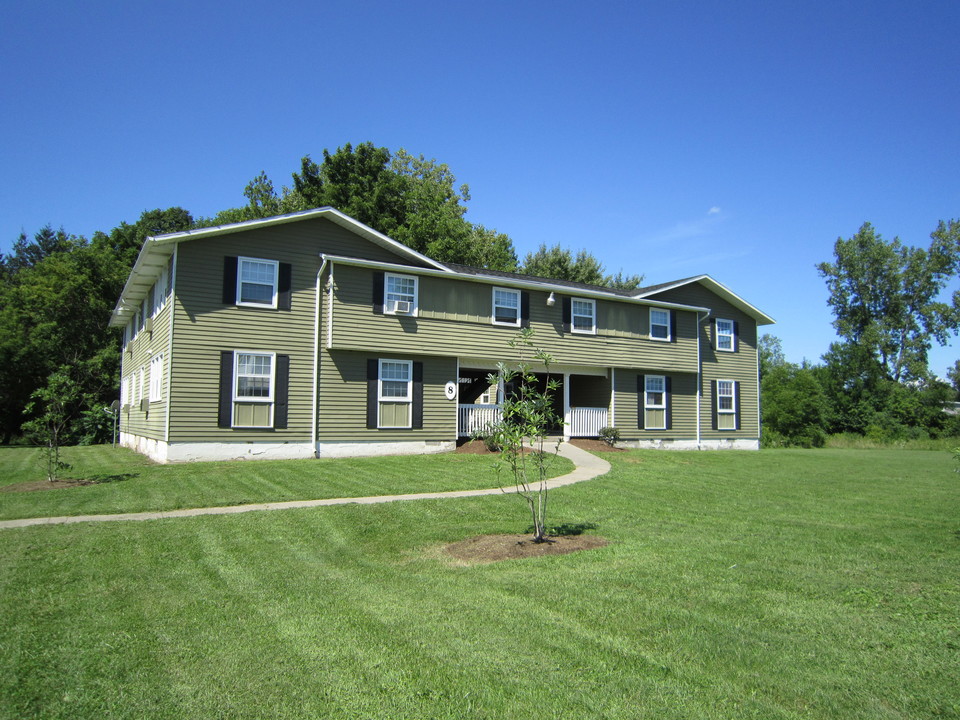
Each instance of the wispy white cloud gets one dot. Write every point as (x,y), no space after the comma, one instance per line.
(689,229)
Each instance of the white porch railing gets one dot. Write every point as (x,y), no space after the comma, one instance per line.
(473,419)
(587,421)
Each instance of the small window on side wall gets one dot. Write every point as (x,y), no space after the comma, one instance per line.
(583,316)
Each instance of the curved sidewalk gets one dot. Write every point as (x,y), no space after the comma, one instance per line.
(587,466)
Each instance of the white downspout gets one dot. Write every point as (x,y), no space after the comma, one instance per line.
(566,407)
(700,321)
(169,368)
(612,420)
(314,410)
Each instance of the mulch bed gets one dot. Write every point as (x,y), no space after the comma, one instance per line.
(484,549)
(476,447)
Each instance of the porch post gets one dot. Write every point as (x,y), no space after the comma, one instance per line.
(566,406)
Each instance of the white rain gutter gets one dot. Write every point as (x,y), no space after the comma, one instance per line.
(316,359)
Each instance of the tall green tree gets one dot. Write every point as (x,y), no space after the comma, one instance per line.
(559,263)
(126,239)
(885,296)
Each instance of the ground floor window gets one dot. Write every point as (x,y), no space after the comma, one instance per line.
(653,402)
(395,393)
(253,389)
(725,399)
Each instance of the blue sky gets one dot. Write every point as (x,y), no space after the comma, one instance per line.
(738,139)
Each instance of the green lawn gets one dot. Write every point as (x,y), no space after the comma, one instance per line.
(778,584)
(128,482)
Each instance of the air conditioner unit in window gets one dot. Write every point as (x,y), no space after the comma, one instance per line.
(128,348)
(148,325)
(402,306)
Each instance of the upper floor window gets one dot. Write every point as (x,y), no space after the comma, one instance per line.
(400,294)
(659,324)
(725,335)
(583,316)
(257,282)
(506,307)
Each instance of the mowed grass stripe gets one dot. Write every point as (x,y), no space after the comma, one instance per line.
(731,588)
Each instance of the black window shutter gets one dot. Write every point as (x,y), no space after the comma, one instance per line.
(673,326)
(641,405)
(284,282)
(524,309)
(378,295)
(373,370)
(713,333)
(736,393)
(736,336)
(282,393)
(417,419)
(224,415)
(668,401)
(229,281)
(713,403)
(566,314)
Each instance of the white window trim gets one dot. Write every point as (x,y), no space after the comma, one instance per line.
(276,282)
(388,308)
(156,378)
(243,399)
(647,405)
(140,382)
(732,396)
(730,335)
(395,400)
(668,338)
(125,391)
(493,301)
(592,316)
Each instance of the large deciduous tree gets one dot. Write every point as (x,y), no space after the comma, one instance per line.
(560,264)
(886,296)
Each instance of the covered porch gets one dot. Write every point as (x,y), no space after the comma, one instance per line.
(583,400)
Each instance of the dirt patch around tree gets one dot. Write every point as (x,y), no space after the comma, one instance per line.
(484,549)
(34,485)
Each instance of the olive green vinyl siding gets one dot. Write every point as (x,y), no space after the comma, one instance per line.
(205,326)
(343,399)
(454,317)
(151,422)
(740,366)
(682,402)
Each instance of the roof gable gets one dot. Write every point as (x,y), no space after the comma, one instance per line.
(713,286)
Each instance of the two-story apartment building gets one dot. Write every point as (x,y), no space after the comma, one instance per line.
(312,334)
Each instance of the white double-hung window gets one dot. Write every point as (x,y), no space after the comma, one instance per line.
(506,307)
(253,389)
(156,378)
(257,282)
(725,334)
(400,294)
(395,393)
(655,402)
(583,316)
(659,324)
(726,405)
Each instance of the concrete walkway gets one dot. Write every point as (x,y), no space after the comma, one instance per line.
(588,466)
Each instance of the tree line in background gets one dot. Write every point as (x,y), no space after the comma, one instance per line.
(875,381)
(57,290)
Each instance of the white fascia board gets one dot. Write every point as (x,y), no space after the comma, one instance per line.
(723,291)
(154,248)
(329,213)
(545,286)
(149,265)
